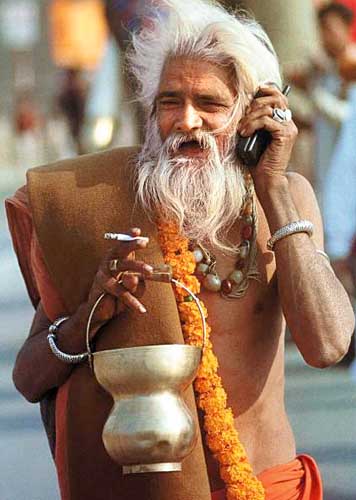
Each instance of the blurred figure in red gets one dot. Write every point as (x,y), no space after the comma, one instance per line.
(26,115)
(351,4)
(28,125)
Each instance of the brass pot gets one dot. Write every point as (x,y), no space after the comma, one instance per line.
(149,428)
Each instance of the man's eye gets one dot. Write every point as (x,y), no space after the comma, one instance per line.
(168,102)
(212,104)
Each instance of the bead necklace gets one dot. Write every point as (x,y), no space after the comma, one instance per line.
(235,286)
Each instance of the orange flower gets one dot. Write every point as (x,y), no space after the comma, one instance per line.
(203,385)
(221,420)
(211,403)
(231,457)
(234,473)
(222,441)
(247,490)
(221,434)
(209,364)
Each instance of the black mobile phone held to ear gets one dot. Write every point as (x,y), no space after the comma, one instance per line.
(250,149)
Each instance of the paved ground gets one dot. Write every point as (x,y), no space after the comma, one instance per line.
(27,471)
(322,408)
(321,405)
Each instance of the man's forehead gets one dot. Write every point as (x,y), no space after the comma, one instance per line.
(184,74)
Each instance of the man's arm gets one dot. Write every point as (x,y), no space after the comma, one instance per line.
(37,369)
(316,306)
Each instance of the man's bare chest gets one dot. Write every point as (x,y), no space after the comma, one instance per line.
(246,332)
(243,317)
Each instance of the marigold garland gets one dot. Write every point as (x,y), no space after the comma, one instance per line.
(221,434)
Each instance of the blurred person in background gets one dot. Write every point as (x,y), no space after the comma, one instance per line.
(72,102)
(27,117)
(125,17)
(255,236)
(329,91)
(332,86)
(340,208)
(28,125)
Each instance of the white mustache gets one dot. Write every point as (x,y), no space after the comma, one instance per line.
(174,141)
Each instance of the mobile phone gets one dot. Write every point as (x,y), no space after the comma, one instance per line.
(250,149)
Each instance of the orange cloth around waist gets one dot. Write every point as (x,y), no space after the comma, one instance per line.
(296,480)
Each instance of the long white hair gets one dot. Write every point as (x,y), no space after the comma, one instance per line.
(205,30)
(204,200)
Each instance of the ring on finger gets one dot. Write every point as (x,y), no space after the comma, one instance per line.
(281,115)
(119,278)
(114,264)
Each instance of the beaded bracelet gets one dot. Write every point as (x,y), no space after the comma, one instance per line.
(52,337)
(299,226)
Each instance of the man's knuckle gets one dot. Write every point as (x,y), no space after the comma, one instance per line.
(284,138)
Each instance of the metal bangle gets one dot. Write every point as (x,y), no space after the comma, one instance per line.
(299,226)
(54,327)
(323,254)
(52,337)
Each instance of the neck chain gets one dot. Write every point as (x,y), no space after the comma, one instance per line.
(236,284)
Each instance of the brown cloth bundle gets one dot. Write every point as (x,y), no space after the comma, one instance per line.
(74,202)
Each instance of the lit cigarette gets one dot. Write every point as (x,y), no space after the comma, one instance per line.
(124,237)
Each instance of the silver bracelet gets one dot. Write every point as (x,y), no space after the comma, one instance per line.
(299,226)
(323,254)
(52,337)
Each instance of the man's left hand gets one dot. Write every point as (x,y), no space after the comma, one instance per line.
(274,162)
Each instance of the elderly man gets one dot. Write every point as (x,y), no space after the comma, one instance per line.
(253,235)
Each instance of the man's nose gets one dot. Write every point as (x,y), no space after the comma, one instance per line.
(188,120)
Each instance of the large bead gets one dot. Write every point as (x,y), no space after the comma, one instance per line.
(198,255)
(248,209)
(202,269)
(244,249)
(248,220)
(247,232)
(212,282)
(226,287)
(240,264)
(236,276)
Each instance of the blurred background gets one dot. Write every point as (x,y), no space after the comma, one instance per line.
(65,91)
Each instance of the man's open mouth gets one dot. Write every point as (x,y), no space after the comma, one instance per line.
(190,145)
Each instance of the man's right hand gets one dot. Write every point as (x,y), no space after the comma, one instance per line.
(34,383)
(122,290)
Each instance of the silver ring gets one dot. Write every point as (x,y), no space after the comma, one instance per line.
(281,115)
(113,264)
(119,277)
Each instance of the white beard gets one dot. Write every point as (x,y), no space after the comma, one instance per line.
(203,196)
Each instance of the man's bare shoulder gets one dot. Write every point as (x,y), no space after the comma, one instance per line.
(306,203)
